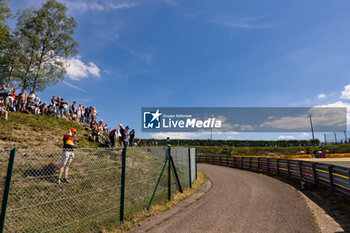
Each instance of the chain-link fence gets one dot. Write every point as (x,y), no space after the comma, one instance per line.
(91,196)
(39,204)
(183,169)
(4,160)
(335,138)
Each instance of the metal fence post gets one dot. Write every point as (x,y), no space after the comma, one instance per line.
(196,162)
(226,161)
(189,166)
(122,188)
(159,179)
(258,163)
(314,172)
(175,173)
(331,180)
(288,167)
(7,189)
(278,166)
(250,162)
(169,176)
(242,162)
(268,164)
(300,169)
(234,161)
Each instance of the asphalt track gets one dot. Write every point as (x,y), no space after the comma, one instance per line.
(343,162)
(242,201)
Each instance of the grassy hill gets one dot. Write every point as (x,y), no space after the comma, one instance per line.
(91,200)
(29,131)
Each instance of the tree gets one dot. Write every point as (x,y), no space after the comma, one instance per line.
(46,42)
(4,36)
(315,142)
(4,28)
(10,60)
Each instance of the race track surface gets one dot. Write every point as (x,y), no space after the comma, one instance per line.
(343,162)
(242,201)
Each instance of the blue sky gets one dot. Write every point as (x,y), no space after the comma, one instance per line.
(200,53)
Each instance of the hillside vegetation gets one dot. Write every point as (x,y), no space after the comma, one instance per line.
(29,131)
(92,198)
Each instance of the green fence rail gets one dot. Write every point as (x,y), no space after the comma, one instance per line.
(105,186)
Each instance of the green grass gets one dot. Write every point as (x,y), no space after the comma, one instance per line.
(92,199)
(28,131)
(341,148)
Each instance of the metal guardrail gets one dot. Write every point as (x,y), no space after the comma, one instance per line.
(336,178)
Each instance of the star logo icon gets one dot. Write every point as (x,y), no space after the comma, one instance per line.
(156,115)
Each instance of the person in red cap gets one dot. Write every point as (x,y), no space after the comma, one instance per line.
(67,155)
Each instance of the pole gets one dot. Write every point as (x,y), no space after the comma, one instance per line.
(7,189)
(189,166)
(288,167)
(196,162)
(335,137)
(314,173)
(175,172)
(122,188)
(300,170)
(331,178)
(160,177)
(169,177)
(325,139)
(312,128)
(346,138)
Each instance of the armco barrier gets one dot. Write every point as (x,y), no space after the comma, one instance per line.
(336,178)
(106,186)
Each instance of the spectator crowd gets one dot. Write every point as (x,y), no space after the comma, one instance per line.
(59,107)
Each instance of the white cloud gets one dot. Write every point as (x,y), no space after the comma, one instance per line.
(339,104)
(144,55)
(247,128)
(346,93)
(81,6)
(285,137)
(73,86)
(173,135)
(304,135)
(77,69)
(336,104)
(321,96)
(323,116)
(193,135)
(247,23)
(171,2)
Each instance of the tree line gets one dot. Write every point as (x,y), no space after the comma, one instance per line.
(234,143)
(34,53)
